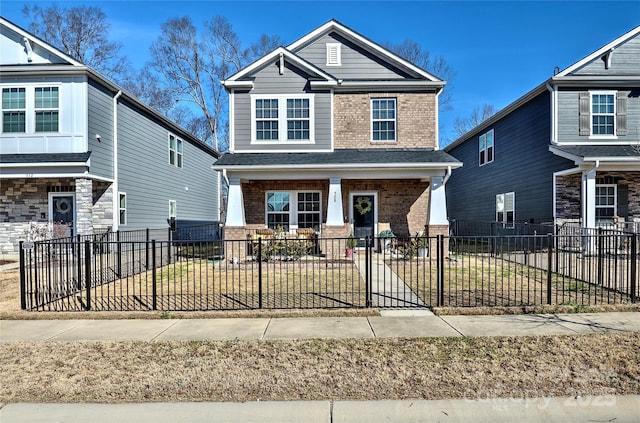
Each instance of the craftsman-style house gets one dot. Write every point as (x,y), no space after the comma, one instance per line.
(78,151)
(567,152)
(337,135)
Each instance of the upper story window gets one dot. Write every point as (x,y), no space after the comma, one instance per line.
(603,113)
(46,109)
(334,54)
(13,110)
(175,151)
(281,118)
(383,119)
(485,148)
(30,109)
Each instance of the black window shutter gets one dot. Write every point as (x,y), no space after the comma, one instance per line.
(623,201)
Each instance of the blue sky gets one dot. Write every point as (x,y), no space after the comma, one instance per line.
(499,49)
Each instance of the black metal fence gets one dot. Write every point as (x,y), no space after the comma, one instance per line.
(285,273)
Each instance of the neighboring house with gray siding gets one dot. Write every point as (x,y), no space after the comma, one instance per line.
(335,134)
(567,152)
(77,150)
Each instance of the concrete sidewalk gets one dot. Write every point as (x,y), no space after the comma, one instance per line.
(621,409)
(392,324)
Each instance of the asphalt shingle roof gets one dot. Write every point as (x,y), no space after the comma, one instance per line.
(617,151)
(339,157)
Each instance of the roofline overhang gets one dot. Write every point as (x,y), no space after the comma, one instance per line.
(595,80)
(44,164)
(341,166)
(578,160)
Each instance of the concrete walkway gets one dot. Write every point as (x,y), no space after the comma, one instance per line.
(392,324)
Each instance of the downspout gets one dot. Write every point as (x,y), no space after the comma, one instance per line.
(446,176)
(116,199)
(554,98)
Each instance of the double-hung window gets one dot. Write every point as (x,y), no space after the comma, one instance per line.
(175,151)
(506,208)
(122,207)
(383,119)
(603,113)
(485,148)
(606,195)
(14,110)
(46,109)
(282,118)
(293,209)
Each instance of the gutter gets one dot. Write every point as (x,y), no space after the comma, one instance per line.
(446,176)
(116,187)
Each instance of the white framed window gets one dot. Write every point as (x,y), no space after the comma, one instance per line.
(173,209)
(293,209)
(383,119)
(46,106)
(485,148)
(122,208)
(606,201)
(14,110)
(603,113)
(175,151)
(334,54)
(506,208)
(282,118)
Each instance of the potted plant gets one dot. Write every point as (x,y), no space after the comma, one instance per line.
(385,237)
(352,243)
(422,243)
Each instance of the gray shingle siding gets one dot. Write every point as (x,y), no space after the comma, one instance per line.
(149,181)
(522,164)
(100,121)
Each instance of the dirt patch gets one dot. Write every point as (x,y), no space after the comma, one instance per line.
(433,368)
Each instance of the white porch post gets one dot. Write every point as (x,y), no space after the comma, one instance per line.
(438,202)
(335,215)
(589,199)
(235,204)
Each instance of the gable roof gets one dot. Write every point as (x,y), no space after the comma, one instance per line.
(369,45)
(236,79)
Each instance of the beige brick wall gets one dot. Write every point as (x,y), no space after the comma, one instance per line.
(416,120)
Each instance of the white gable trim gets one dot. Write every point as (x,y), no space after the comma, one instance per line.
(232,81)
(334,25)
(32,39)
(598,53)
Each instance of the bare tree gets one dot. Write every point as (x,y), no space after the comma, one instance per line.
(82,32)
(478,115)
(437,66)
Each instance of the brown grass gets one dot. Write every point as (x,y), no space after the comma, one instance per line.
(433,368)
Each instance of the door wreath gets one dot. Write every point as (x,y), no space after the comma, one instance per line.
(363,205)
(63,206)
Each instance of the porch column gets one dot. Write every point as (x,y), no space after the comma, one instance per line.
(438,202)
(589,198)
(235,204)
(335,216)
(84,207)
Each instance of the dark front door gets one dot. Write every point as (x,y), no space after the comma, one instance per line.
(63,213)
(363,216)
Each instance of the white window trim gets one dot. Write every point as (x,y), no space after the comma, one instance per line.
(613,136)
(338,49)
(293,206)
(486,148)
(45,109)
(120,209)
(173,209)
(30,108)
(395,120)
(282,118)
(504,211)
(615,198)
(175,151)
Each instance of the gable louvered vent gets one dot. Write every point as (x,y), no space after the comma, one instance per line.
(333,54)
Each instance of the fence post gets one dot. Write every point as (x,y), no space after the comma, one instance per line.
(634,258)
(440,269)
(23,281)
(260,272)
(78,246)
(154,279)
(549,266)
(146,259)
(368,280)
(170,238)
(600,255)
(118,254)
(87,271)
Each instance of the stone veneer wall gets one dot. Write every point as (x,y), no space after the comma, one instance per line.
(84,207)
(416,120)
(102,205)
(568,199)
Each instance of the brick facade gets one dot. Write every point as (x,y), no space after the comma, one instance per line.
(416,117)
